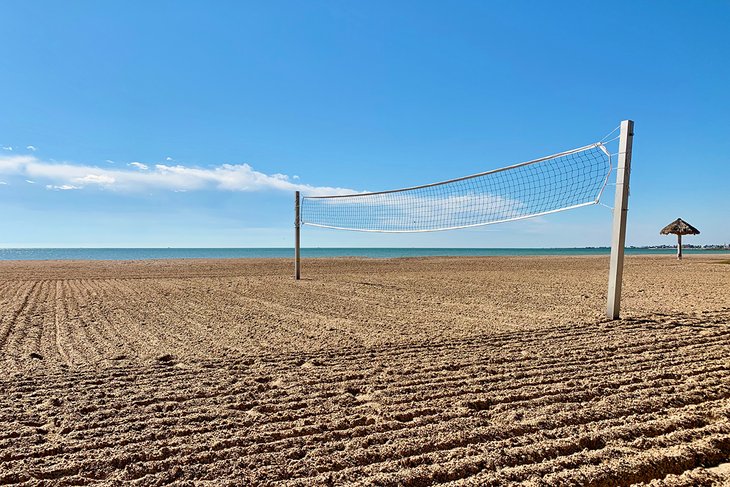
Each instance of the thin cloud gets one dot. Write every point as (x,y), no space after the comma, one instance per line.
(139,165)
(225,177)
(109,161)
(63,187)
(7,147)
(435,211)
(29,181)
(168,158)
(101,179)
(31,148)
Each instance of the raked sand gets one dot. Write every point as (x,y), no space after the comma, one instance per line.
(470,371)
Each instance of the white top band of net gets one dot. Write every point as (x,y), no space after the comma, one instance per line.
(559,182)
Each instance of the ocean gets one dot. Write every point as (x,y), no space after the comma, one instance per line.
(238,253)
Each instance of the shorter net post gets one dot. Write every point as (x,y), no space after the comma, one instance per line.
(620,210)
(297,230)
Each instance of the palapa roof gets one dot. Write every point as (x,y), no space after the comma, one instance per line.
(679,227)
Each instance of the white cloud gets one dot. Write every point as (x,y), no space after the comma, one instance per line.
(63,187)
(109,161)
(139,165)
(31,148)
(29,181)
(168,158)
(102,179)
(225,177)
(2,183)
(7,147)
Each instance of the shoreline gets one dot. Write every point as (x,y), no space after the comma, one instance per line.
(134,254)
(288,260)
(713,255)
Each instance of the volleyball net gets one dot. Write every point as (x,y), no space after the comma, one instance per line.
(549,184)
(570,179)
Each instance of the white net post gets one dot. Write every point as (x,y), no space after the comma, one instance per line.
(297,231)
(620,210)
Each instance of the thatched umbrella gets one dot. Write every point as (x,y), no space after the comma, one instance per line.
(679,227)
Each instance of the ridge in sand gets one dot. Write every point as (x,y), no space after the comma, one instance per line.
(461,371)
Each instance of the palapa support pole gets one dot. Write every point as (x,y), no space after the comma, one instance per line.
(679,246)
(297,229)
(620,210)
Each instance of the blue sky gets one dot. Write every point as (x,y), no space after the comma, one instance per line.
(241,102)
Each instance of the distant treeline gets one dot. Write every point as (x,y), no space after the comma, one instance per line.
(686,246)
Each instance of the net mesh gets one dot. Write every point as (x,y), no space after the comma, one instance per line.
(554,183)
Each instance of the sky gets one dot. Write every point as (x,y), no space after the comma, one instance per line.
(190,124)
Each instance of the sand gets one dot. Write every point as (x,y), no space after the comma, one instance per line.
(463,371)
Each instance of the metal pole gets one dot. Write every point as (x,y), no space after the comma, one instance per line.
(620,209)
(297,228)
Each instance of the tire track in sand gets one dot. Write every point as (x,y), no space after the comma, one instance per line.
(335,418)
(21,295)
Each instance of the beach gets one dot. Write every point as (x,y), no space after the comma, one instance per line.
(408,371)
